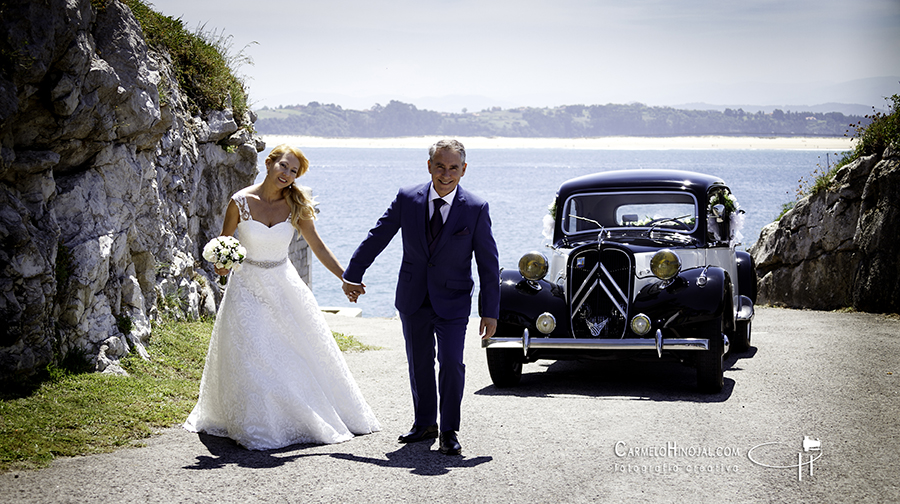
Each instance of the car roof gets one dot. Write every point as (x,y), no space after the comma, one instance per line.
(698,183)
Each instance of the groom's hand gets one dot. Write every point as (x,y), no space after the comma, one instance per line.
(488,327)
(353,291)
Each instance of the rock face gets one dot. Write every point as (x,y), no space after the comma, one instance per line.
(109,187)
(840,247)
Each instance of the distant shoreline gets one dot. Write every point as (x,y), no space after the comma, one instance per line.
(836,144)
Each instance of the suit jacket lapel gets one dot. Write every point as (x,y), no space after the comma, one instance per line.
(422,215)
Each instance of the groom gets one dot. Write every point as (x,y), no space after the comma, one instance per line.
(443,227)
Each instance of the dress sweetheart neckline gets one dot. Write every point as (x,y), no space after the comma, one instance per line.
(246,215)
(251,219)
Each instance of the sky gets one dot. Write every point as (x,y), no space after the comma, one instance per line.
(451,54)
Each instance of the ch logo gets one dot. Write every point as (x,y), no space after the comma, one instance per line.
(773,455)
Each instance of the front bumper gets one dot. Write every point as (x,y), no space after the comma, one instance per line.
(657,343)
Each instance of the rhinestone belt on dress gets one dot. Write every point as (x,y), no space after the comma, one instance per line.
(266,264)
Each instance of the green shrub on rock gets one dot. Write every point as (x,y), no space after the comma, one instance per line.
(205,67)
(883,131)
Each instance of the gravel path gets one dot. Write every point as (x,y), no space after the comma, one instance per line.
(571,432)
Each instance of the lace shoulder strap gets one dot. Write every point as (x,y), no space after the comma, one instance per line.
(243,208)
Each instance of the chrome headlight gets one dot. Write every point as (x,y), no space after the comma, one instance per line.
(545,323)
(533,266)
(640,324)
(665,264)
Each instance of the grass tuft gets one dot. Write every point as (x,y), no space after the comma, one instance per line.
(350,344)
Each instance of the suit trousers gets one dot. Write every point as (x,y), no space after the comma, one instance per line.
(421,330)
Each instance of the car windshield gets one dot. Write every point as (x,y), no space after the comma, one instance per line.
(675,211)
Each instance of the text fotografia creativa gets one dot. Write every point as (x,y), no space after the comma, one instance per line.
(673,468)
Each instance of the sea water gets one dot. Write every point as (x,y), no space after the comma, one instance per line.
(354,186)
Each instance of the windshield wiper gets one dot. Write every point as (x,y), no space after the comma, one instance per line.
(671,235)
(668,236)
(602,229)
(592,221)
(677,220)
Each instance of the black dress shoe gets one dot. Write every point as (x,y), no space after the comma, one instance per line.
(419,434)
(449,443)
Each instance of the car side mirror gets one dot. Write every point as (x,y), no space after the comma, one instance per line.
(718,210)
(718,225)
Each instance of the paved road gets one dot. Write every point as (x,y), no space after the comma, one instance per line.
(571,432)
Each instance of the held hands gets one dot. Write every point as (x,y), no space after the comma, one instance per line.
(222,271)
(353,291)
(488,327)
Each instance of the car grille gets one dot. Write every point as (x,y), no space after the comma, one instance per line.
(599,292)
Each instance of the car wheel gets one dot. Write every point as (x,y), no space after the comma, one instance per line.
(710,368)
(741,341)
(505,364)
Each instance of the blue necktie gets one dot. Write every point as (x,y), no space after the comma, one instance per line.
(436,222)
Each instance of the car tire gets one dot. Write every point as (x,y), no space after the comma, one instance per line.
(710,366)
(741,342)
(505,364)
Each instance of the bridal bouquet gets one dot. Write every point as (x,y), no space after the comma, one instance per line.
(225,252)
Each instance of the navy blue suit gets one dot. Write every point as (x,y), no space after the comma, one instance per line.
(434,291)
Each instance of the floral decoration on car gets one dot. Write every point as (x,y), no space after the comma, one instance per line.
(548,221)
(727,200)
(732,211)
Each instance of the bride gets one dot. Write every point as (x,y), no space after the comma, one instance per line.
(274,375)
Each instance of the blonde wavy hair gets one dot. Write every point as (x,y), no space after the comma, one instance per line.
(299,198)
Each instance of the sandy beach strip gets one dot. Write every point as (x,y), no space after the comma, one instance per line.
(835,144)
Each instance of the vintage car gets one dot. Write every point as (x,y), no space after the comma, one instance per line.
(641,263)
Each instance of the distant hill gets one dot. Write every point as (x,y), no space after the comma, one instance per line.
(570,121)
(844,108)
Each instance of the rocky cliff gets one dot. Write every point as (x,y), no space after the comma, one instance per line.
(109,186)
(839,247)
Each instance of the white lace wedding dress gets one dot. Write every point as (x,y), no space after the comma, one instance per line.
(274,375)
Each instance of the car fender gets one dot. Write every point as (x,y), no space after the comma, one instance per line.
(695,295)
(746,268)
(521,302)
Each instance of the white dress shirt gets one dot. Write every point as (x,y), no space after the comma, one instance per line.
(445,209)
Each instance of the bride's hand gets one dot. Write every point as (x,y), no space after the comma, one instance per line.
(222,271)
(353,291)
